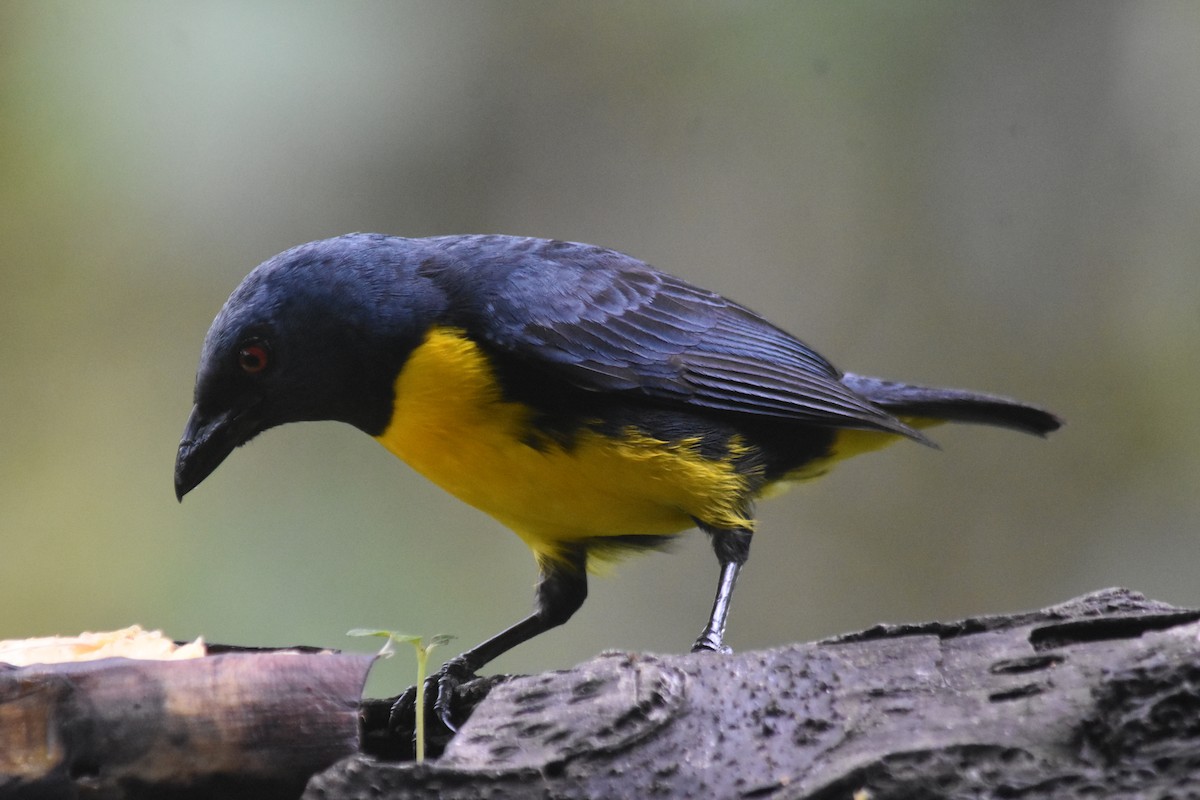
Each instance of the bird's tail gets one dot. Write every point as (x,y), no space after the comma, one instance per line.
(952,405)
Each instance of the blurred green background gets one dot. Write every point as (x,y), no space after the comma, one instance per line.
(1003,196)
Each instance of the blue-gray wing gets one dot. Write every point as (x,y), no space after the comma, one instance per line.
(606,322)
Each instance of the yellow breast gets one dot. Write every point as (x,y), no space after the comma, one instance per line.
(451,424)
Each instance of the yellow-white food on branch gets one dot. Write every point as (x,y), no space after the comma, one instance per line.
(131,642)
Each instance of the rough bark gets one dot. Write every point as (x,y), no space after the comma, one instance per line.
(1097,697)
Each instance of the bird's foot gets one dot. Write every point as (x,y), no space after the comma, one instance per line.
(711,642)
(441,701)
(449,678)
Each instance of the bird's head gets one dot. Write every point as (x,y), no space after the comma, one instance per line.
(316,333)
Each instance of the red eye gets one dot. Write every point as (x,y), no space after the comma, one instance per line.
(253,358)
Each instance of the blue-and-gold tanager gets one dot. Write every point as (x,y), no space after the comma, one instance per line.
(584,399)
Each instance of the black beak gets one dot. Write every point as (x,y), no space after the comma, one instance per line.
(207,441)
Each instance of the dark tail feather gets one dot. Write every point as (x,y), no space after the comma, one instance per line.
(953,405)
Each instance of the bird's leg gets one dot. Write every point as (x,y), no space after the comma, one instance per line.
(732,547)
(560,592)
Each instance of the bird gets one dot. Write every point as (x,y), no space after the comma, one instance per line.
(591,403)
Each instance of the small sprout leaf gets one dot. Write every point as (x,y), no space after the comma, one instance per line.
(422,651)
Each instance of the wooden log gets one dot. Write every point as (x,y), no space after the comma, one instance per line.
(234,724)
(1098,697)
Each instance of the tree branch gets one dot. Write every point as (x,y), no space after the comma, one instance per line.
(1097,697)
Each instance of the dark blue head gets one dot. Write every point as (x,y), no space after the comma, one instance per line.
(316,333)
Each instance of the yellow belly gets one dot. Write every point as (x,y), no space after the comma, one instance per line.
(451,424)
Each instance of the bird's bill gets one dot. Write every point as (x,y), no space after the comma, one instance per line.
(207,441)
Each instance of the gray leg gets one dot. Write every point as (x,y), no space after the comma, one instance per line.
(732,548)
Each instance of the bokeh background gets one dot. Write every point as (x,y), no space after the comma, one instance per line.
(1004,196)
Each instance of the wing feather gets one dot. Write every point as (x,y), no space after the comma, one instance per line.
(607,322)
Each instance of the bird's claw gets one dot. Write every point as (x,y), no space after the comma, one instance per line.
(403,714)
(440,691)
(453,673)
(710,642)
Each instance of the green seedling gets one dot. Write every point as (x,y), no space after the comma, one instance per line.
(423,651)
